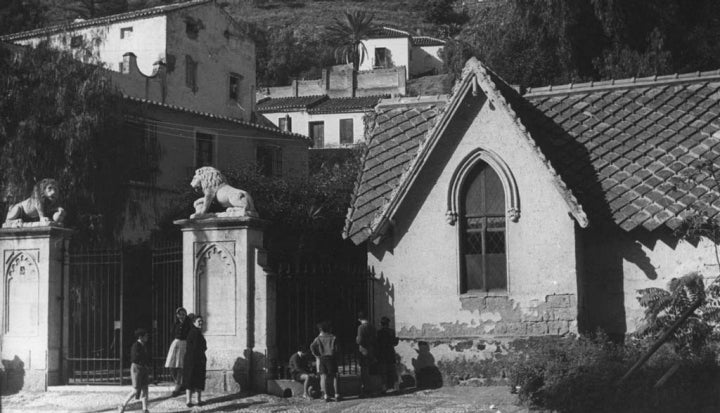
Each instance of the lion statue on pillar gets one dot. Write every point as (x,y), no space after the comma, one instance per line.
(41,207)
(214,186)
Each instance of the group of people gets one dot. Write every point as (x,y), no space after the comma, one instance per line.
(185,359)
(376,348)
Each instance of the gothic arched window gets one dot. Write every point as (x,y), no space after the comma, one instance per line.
(482,231)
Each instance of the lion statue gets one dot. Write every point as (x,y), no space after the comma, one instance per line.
(214,187)
(42,206)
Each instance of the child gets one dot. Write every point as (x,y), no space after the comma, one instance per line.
(325,347)
(140,369)
(299,370)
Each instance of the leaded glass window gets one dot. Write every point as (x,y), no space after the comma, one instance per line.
(482,226)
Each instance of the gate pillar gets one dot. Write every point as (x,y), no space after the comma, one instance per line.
(226,281)
(31,303)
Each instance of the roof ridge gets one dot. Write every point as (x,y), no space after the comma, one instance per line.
(574,205)
(78,24)
(215,116)
(622,83)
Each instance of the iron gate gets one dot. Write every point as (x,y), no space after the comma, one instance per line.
(309,294)
(113,291)
(95,341)
(166,296)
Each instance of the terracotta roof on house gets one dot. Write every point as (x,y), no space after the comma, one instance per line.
(289,104)
(629,151)
(347,104)
(632,149)
(137,14)
(399,133)
(274,130)
(388,32)
(427,41)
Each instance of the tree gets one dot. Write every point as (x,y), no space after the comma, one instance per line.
(64,119)
(20,15)
(347,34)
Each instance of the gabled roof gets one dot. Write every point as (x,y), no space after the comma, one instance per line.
(400,132)
(274,130)
(80,24)
(318,104)
(427,41)
(289,104)
(388,33)
(377,196)
(627,147)
(630,151)
(391,33)
(347,104)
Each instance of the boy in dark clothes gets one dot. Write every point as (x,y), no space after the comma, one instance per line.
(140,369)
(300,371)
(325,347)
(386,342)
(367,345)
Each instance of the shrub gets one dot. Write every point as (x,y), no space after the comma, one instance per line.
(582,375)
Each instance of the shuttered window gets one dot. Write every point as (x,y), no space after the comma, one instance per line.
(346,131)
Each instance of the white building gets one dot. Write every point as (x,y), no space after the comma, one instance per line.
(329,122)
(192,54)
(390,47)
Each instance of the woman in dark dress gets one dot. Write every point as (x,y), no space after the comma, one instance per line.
(195,362)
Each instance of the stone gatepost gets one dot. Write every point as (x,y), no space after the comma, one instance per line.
(226,281)
(31,303)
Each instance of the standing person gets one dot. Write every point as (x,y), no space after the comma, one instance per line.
(299,370)
(140,369)
(367,345)
(326,349)
(195,361)
(176,354)
(386,342)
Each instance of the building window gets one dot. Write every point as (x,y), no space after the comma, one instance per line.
(346,131)
(204,149)
(269,160)
(234,86)
(382,57)
(143,135)
(126,32)
(285,123)
(191,73)
(482,231)
(76,41)
(317,133)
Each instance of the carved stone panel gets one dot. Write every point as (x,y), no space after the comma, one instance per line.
(216,280)
(22,293)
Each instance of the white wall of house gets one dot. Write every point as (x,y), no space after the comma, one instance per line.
(419,263)
(147,41)
(301,122)
(425,59)
(399,49)
(219,50)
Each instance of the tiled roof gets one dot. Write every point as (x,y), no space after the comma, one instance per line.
(348,104)
(426,41)
(274,130)
(627,147)
(628,151)
(399,133)
(289,104)
(388,32)
(137,14)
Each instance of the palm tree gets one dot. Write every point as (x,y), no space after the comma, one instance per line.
(347,34)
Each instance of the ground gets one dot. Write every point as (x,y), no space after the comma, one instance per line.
(105,399)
